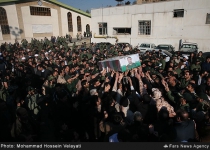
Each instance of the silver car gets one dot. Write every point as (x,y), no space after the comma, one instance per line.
(146,47)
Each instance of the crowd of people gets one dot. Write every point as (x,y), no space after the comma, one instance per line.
(51,92)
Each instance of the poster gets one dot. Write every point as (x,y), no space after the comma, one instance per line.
(121,63)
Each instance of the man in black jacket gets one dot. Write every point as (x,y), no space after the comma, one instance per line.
(185,128)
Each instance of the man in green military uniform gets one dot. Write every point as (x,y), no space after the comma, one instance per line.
(177,70)
(196,65)
(186,80)
(71,83)
(200,57)
(130,65)
(24,43)
(32,100)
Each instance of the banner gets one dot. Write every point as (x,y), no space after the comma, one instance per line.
(42,28)
(121,63)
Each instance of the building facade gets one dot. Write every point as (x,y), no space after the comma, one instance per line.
(38,19)
(148,1)
(165,22)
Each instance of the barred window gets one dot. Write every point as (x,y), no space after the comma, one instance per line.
(79,24)
(4,22)
(178,13)
(122,31)
(102,28)
(145,27)
(208,19)
(70,24)
(40,11)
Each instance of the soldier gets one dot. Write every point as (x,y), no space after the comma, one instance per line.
(200,57)
(196,65)
(130,65)
(77,36)
(32,100)
(185,80)
(24,43)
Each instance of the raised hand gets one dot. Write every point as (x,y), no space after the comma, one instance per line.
(121,76)
(138,76)
(117,75)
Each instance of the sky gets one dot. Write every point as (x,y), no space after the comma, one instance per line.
(89,4)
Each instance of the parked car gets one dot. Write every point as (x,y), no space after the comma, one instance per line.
(206,54)
(166,47)
(123,44)
(146,47)
(188,48)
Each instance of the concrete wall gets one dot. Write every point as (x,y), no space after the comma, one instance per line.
(21,21)
(13,23)
(165,29)
(84,21)
(30,20)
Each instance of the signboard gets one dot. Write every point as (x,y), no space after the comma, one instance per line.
(121,63)
(42,28)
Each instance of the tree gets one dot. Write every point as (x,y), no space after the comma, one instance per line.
(119,2)
(128,3)
(134,2)
(87,11)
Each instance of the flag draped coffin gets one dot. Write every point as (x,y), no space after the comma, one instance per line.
(121,63)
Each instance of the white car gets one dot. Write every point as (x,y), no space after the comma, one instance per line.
(146,47)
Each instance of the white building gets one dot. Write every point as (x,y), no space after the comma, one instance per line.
(28,19)
(160,23)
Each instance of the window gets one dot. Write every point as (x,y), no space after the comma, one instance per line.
(122,30)
(145,27)
(88,28)
(178,13)
(40,11)
(79,24)
(70,25)
(4,21)
(208,19)
(144,45)
(102,28)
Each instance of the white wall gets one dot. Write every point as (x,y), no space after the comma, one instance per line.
(165,29)
(84,20)
(12,21)
(29,20)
